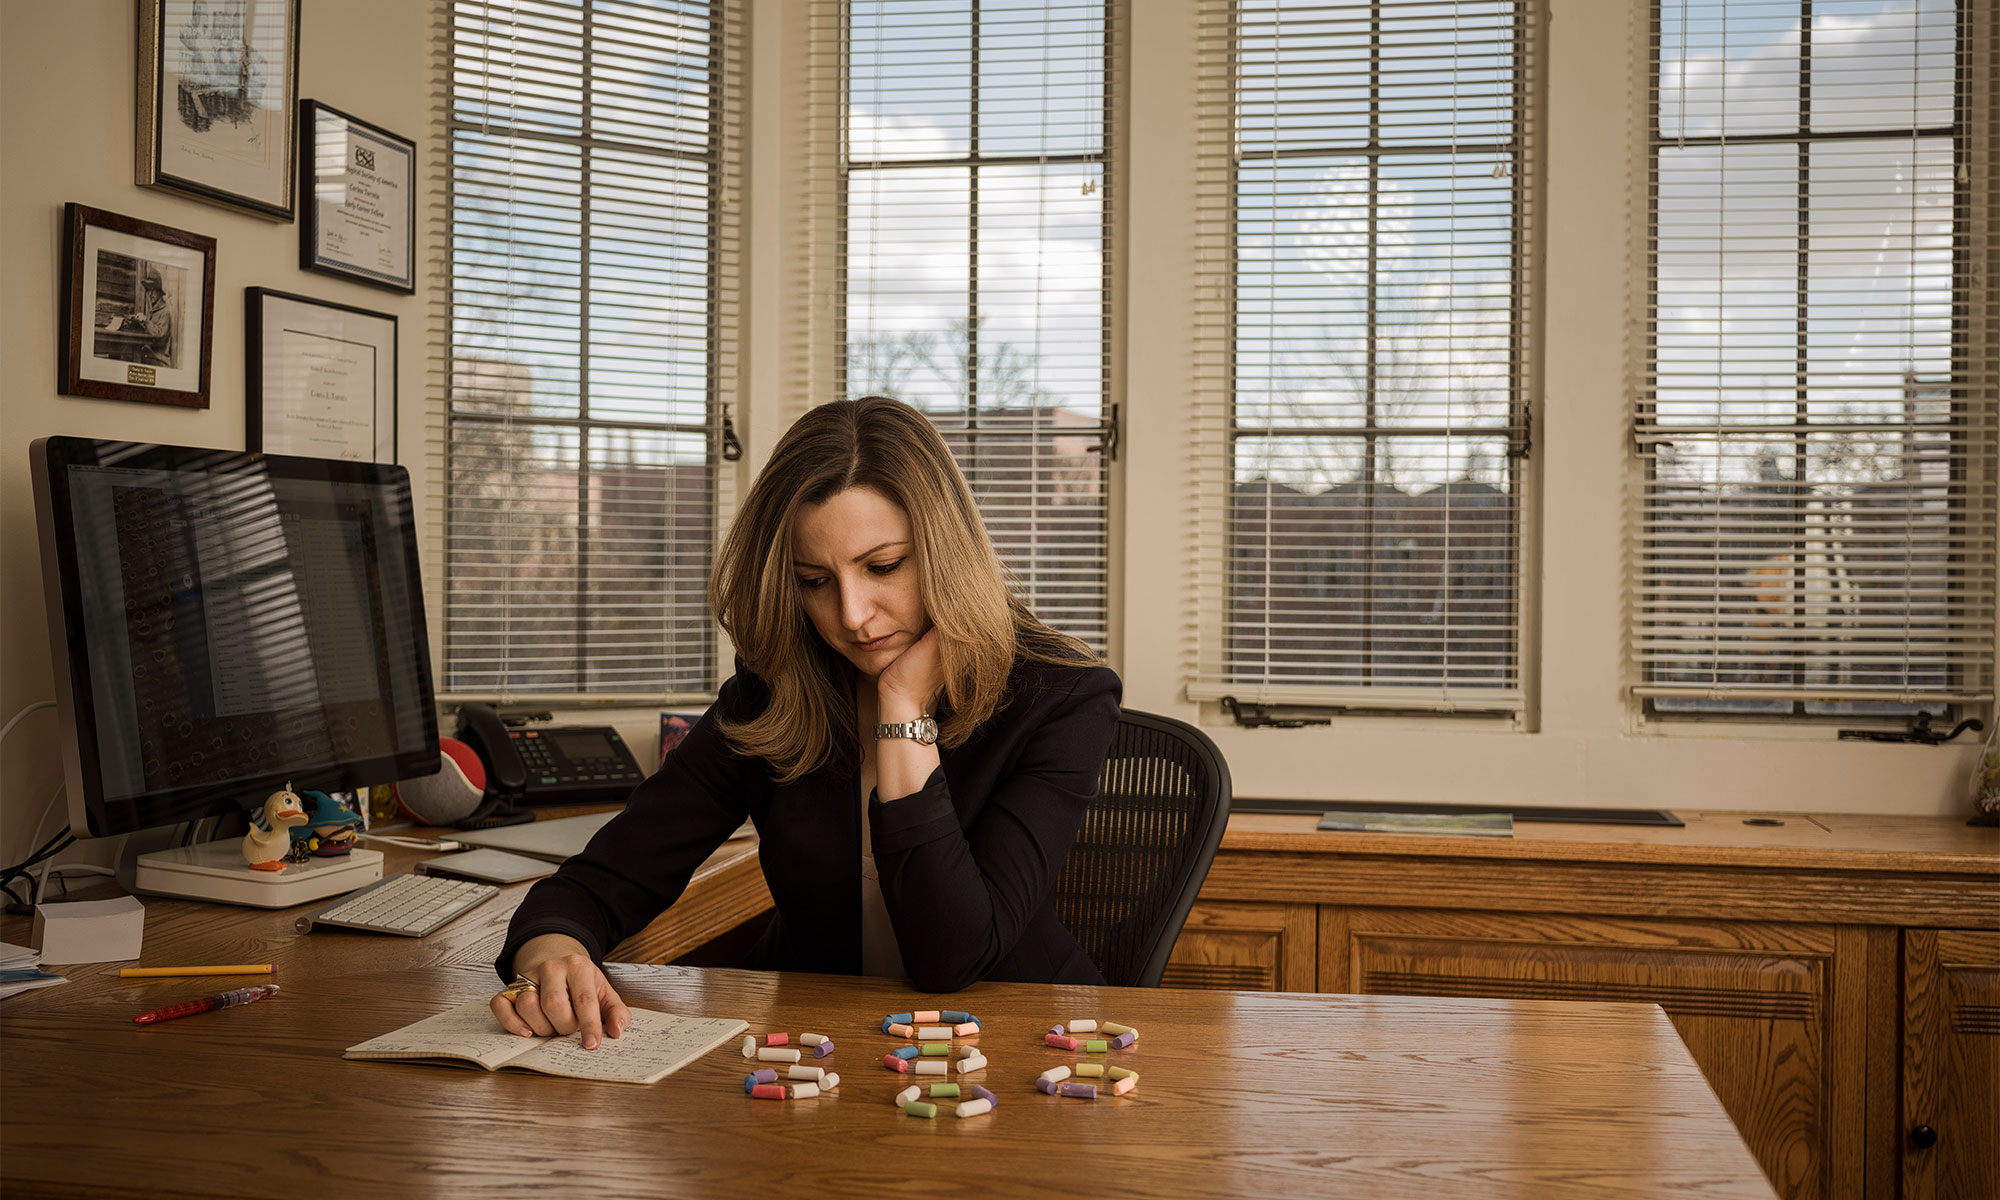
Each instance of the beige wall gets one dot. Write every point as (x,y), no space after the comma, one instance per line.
(66,103)
(66,134)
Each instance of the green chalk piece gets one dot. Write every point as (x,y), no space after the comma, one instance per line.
(944,1089)
(918,1108)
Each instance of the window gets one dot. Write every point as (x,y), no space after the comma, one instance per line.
(975,184)
(592,263)
(1374,397)
(1817,435)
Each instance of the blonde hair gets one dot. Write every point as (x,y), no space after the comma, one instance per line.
(892,449)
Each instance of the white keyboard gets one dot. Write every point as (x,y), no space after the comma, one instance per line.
(410,905)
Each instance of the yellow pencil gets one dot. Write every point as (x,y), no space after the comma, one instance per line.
(236,969)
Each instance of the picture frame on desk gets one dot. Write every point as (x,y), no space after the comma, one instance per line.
(216,89)
(319,378)
(138,302)
(359,218)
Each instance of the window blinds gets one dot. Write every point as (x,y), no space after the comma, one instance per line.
(592,260)
(1368,364)
(1817,434)
(971,257)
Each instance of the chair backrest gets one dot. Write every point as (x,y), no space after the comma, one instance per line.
(1145,846)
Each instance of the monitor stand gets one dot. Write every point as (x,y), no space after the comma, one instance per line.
(216,872)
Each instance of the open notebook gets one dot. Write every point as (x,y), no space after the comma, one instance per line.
(655,1046)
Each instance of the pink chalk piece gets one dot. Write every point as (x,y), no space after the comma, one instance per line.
(769,1091)
(1124,1085)
(902,1031)
(896,1064)
(965,1029)
(924,1018)
(777,1039)
(1067,1043)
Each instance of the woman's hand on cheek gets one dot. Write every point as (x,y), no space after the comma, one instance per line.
(908,686)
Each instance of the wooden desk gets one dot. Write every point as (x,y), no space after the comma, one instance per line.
(1241,1094)
(1837,976)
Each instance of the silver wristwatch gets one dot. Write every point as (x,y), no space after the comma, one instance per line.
(923,730)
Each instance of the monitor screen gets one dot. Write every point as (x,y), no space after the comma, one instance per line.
(224,624)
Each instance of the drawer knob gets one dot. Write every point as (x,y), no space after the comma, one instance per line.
(1923,1137)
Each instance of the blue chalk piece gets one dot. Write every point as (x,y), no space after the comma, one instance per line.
(907,1051)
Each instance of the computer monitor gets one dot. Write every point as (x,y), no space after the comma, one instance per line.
(225,625)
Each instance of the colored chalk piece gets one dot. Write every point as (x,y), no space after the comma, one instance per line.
(930,1066)
(813,1039)
(1047,1085)
(974,1108)
(769,1091)
(929,1017)
(822,1049)
(777,1039)
(805,1091)
(1096,1046)
(1124,1085)
(765,1075)
(906,1051)
(1083,1026)
(749,1081)
(831,1082)
(935,1049)
(944,1090)
(1123,1040)
(813,1073)
(1119,1073)
(917,1108)
(1057,1030)
(750,1047)
(967,1029)
(1058,1040)
(952,1016)
(901,1031)
(931,1033)
(913,1092)
(1083,1070)
(976,1063)
(1114,1028)
(1082,1091)
(1055,1074)
(899,1019)
(982,1094)
(894,1063)
(777,1054)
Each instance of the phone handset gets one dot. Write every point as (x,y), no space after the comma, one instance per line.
(480,727)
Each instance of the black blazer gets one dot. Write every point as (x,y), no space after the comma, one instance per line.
(968,864)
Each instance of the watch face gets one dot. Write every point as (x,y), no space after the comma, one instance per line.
(926,731)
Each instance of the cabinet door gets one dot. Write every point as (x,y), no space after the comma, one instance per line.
(1244,947)
(1951,1065)
(1754,1002)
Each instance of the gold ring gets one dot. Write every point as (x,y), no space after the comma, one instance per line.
(521,984)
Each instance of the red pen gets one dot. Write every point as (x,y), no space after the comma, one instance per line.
(188,1008)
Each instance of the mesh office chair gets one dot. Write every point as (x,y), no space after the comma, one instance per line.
(1145,846)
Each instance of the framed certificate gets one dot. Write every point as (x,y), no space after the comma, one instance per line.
(138,309)
(360,210)
(320,378)
(217,83)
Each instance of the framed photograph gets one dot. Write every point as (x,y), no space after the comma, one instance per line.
(218,80)
(359,188)
(320,378)
(138,309)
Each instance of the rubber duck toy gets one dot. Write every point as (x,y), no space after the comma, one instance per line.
(270,838)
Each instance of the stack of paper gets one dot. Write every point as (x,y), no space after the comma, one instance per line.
(20,971)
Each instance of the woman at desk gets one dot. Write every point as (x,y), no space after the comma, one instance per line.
(915,748)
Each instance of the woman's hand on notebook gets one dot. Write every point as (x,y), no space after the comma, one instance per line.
(570,994)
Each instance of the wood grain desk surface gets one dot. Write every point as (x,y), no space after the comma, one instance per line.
(1818,841)
(1240,1095)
